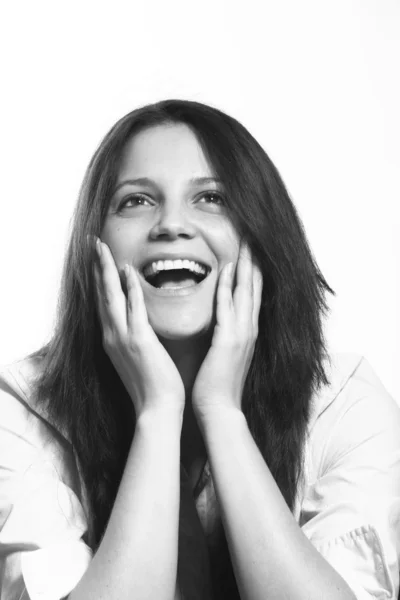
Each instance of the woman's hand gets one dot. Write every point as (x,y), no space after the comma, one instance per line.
(144,366)
(221,377)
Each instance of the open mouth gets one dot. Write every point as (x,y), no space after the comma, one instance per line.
(176,278)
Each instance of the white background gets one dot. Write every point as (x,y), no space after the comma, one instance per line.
(316,82)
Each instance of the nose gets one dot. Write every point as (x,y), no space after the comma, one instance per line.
(172,223)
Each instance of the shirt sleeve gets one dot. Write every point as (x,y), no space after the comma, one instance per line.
(42,521)
(351,510)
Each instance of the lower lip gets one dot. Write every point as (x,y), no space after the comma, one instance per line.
(168,292)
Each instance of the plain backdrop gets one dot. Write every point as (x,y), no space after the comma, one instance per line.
(316,82)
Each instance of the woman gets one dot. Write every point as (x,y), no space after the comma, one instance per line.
(185,434)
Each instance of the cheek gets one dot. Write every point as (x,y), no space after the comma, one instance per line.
(225,242)
(120,242)
(232,251)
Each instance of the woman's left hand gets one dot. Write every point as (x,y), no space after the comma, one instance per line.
(222,375)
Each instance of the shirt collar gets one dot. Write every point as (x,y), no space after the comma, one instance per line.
(21,377)
(339,368)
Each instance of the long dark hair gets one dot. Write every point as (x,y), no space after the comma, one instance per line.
(79,385)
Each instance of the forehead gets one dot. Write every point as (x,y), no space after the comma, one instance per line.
(164,151)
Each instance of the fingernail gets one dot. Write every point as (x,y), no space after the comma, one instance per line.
(98,246)
(230,268)
(127,270)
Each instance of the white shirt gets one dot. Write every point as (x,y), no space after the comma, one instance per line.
(348,505)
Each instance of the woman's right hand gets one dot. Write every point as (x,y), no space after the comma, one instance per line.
(144,366)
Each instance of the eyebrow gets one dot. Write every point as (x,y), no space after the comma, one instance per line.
(151,183)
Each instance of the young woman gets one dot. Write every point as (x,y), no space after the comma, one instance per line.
(185,433)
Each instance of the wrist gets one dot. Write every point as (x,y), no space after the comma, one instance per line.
(219,415)
(160,419)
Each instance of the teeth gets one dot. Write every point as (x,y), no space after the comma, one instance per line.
(166,265)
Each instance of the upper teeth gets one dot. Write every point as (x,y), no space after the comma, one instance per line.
(165,265)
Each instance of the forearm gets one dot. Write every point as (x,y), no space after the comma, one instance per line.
(137,557)
(271,556)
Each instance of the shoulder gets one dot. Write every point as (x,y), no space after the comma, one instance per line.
(350,503)
(26,435)
(351,380)
(37,462)
(19,407)
(43,504)
(19,378)
(353,411)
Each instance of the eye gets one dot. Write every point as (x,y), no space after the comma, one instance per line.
(213,197)
(132,200)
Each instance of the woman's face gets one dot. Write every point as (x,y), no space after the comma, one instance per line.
(168,205)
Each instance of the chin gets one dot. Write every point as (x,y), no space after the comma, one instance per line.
(173,330)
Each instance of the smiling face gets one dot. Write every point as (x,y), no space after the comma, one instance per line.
(168,202)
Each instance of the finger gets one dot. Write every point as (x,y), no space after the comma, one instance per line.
(224,294)
(243,295)
(99,297)
(113,298)
(136,307)
(257,296)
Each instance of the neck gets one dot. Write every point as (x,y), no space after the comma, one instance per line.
(188,356)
